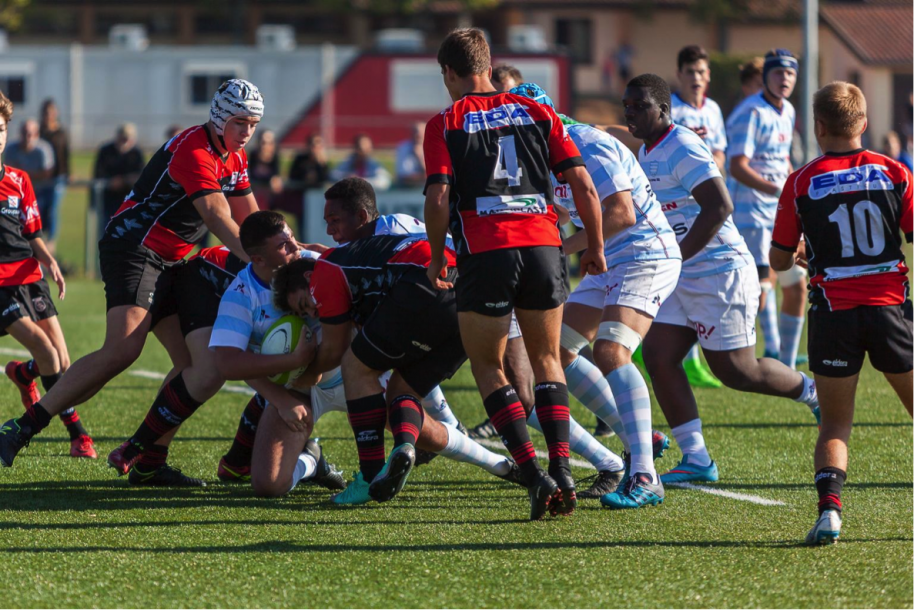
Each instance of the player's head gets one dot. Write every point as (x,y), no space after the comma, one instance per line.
(6,115)
(350,205)
(505,77)
(268,240)
(839,112)
(534,92)
(693,71)
(779,73)
(291,288)
(236,109)
(463,54)
(30,131)
(647,106)
(750,76)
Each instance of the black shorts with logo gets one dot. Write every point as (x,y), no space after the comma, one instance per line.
(839,340)
(28,300)
(413,331)
(493,283)
(197,292)
(135,275)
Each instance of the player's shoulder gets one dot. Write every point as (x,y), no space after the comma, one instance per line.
(192,143)
(15,175)
(712,107)
(593,140)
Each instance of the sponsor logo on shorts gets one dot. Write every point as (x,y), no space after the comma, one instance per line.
(40,304)
(11,308)
(656,300)
(367,435)
(422,346)
(838,363)
(499,305)
(703,331)
(611,288)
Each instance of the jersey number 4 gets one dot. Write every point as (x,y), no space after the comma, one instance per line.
(506,166)
(866,223)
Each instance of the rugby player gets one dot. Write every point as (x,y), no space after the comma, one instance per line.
(351,213)
(851,206)
(488,158)
(758,162)
(28,313)
(197,181)
(716,299)
(505,77)
(614,310)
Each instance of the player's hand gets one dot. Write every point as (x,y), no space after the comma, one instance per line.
(57,276)
(436,271)
(701,132)
(306,348)
(801,260)
(593,262)
(295,415)
(319,248)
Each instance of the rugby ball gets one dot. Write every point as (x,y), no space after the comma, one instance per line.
(281,338)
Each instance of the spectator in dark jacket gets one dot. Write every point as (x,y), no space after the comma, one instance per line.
(119,163)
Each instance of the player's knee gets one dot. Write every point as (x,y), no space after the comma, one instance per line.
(270,487)
(614,346)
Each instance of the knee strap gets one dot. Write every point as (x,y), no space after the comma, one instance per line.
(617,332)
(572,340)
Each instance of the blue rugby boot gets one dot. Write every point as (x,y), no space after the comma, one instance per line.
(685,472)
(355,493)
(638,491)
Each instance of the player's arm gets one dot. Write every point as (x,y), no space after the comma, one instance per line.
(618,215)
(562,213)
(335,340)
(742,173)
(239,365)
(720,157)
(242,206)
(587,203)
(291,409)
(785,238)
(716,206)
(41,252)
(437,215)
(216,213)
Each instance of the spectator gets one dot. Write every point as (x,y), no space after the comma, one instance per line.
(263,169)
(119,163)
(892,148)
(309,168)
(36,156)
(750,76)
(506,77)
(362,165)
(52,132)
(410,167)
(171,131)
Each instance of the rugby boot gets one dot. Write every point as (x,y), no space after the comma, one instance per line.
(326,475)
(83,447)
(604,482)
(686,472)
(603,430)
(118,459)
(462,429)
(699,376)
(423,457)
(229,473)
(483,431)
(393,476)
(163,476)
(514,476)
(355,493)
(660,442)
(826,530)
(28,393)
(638,491)
(12,440)
(564,500)
(541,490)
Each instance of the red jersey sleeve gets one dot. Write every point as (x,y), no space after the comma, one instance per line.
(563,153)
(331,293)
(195,170)
(787,227)
(28,209)
(243,184)
(438,167)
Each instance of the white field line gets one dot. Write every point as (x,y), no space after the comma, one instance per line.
(711,490)
(144,374)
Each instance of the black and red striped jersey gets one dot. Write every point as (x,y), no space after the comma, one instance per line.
(852,209)
(496,151)
(19,223)
(159,213)
(349,281)
(221,257)
(216,269)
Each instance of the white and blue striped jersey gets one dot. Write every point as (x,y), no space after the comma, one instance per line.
(764,134)
(708,115)
(613,168)
(246,313)
(675,165)
(404,224)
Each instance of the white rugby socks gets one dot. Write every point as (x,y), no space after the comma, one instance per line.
(692,443)
(462,448)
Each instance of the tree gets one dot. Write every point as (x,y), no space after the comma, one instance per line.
(11,13)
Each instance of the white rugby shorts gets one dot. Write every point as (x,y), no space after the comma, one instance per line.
(640,285)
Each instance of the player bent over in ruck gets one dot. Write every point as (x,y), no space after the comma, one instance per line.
(488,159)
(851,205)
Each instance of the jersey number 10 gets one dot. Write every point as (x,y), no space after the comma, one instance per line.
(867,226)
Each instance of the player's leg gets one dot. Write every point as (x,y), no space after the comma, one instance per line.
(890,345)
(236,464)
(793,313)
(903,384)
(758,240)
(279,461)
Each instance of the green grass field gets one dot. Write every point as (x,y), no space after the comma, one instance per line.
(76,536)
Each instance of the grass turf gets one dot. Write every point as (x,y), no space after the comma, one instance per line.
(74,535)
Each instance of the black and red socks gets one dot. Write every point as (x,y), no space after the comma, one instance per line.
(507,414)
(406,418)
(34,420)
(367,416)
(152,459)
(242,448)
(551,399)
(171,408)
(829,483)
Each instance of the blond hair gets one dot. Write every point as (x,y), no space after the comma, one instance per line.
(841,108)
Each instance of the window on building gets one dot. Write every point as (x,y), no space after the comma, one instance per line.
(202,86)
(14,87)
(576,36)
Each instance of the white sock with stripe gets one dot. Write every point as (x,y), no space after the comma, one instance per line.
(768,320)
(634,403)
(692,442)
(791,330)
(462,448)
(305,468)
(582,442)
(587,384)
(435,404)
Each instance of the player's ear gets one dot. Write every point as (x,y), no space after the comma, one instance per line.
(307,276)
